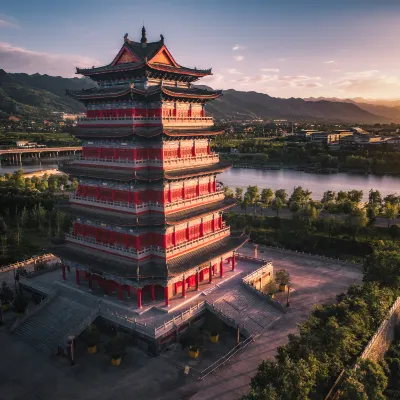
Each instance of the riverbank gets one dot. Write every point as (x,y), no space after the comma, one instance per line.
(288,179)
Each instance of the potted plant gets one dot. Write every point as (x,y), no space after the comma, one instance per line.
(270,288)
(20,304)
(283,278)
(214,326)
(91,337)
(6,296)
(116,349)
(192,339)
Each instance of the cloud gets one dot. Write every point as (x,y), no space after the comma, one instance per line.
(329,62)
(238,47)
(269,70)
(281,81)
(239,58)
(19,59)
(370,82)
(234,71)
(8,22)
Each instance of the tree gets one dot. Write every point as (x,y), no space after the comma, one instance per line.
(266,197)
(39,214)
(383,266)
(277,205)
(254,194)
(394,231)
(246,202)
(357,220)
(331,225)
(282,277)
(375,198)
(390,211)
(228,192)
(328,196)
(239,194)
(4,246)
(281,194)
(355,196)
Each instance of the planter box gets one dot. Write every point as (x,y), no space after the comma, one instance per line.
(194,353)
(214,338)
(116,361)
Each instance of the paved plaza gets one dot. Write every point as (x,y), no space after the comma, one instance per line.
(29,374)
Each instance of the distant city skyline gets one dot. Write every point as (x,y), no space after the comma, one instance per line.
(283,48)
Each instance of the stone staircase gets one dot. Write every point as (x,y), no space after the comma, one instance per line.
(50,326)
(247,310)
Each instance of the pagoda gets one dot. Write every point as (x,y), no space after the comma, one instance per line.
(147,213)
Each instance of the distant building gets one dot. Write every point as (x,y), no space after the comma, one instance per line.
(328,137)
(13,118)
(304,134)
(360,141)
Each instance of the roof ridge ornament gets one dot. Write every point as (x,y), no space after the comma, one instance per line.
(143,40)
(162,38)
(126,37)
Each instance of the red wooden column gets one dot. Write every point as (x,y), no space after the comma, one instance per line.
(183,287)
(202,228)
(128,289)
(166,295)
(221,269)
(77,276)
(63,272)
(153,292)
(169,194)
(98,193)
(209,274)
(120,294)
(90,281)
(197,280)
(233,261)
(139,298)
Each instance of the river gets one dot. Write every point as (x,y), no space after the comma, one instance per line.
(316,183)
(280,179)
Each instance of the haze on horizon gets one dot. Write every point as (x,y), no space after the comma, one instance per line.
(284,48)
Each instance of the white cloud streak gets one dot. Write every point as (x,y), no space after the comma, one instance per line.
(19,59)
(239,58)
(329,62)
(237,47)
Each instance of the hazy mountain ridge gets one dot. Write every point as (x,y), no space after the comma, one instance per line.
(23,94)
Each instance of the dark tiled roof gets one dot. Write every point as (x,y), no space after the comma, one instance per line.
(169,91)
(201,258)
(144,175)
(197,171)
(102,133)
(193,132)
(197,212)
(117,218)
(109,263)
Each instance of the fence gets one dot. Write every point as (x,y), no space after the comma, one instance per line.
(23,264)
(337,260)
(50,296)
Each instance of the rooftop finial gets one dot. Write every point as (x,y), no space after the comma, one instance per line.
(162,38)
(144,38)
(125,37)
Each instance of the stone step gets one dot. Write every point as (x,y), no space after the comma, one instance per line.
(46,329)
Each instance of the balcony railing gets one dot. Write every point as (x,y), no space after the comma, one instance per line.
(156,250)
(143,118)
(133,208)
(194,161)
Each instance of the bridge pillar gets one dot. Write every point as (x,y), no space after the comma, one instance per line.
(38,155)
(20,158)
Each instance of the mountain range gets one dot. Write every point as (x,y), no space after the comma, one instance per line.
(39,95)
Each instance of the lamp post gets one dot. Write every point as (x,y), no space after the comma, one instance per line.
(288,294)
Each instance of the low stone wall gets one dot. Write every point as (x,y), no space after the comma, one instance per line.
(384,336)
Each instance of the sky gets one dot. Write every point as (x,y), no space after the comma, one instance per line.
(285,48)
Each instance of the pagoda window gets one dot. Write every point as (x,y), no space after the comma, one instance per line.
(142,197)
(107,153)
(204,188)
(207,226)
(186,152)
(90,152)
(201,150)
(180,236)
(194,232)
(190,192)
(144,240)
(158,240)
(121,196)
(103,236)
(124,154)
(78,229)
(169,240)
(171,153)
(141,154)
(176,194)
(120,238)
(91,191)
(106,194)
(90,231)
